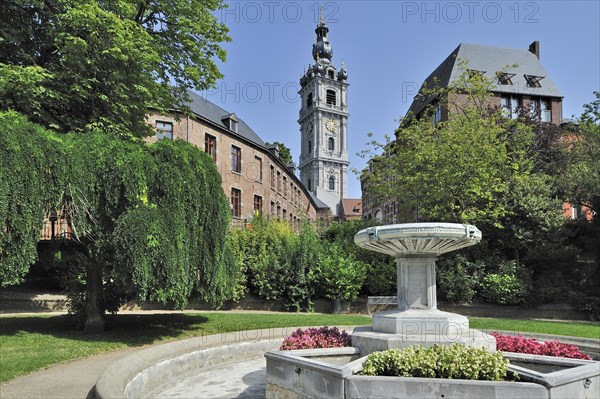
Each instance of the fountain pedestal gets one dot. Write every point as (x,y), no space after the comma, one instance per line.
(417,319)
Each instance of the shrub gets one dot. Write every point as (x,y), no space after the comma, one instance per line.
(312,338)
(380,276)
(338,274)
(590,305)
(504,287)
(438,361)
(457,279)
(509,343)
(276,262)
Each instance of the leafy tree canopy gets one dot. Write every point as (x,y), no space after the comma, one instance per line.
(149,221)
(71,65)
(458,170)
(583,174)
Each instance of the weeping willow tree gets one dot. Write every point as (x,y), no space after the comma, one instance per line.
(149,221)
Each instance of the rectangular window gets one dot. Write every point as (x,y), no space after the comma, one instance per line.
(437,115)
(258,205)
(510,106)
(331,97)
(285,187)
(236,159)
(164,130)
(272,208)
(259,166)
(272,176)
(278,181)
(210,146)
(236,203)
(541,108)
(545,111)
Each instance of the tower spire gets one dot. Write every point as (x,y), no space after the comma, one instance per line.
(322,50)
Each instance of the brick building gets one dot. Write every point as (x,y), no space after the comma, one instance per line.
(255,179)
(520,84)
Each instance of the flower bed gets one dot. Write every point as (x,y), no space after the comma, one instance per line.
(509,343)
(314,338)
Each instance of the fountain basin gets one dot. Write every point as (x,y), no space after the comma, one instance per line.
(423,239)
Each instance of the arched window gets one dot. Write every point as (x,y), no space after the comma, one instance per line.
(331,182)
(330,144)
(309,149)
(331,97)
(309,100)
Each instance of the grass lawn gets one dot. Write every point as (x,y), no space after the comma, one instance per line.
(570,328)
(29,343)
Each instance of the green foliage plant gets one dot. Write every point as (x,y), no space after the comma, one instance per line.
(504,287)
(277,261)
(149,221)
(339,275)
(73,65)
(458,278)
(438,361)
(459,169)
(380,274)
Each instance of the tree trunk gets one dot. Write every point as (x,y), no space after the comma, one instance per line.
(94,313)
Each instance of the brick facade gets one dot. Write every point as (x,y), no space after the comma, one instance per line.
(262,177)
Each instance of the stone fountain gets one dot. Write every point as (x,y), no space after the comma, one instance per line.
(417,319)
(332,372)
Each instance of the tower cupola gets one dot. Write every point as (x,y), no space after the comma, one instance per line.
(322,50)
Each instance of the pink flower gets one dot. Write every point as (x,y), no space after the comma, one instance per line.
(508,343)
(311,338)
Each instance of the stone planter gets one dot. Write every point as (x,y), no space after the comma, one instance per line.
(331,373)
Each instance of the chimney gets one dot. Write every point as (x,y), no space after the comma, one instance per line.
(535,48)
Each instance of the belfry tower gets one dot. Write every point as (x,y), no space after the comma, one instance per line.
(324,124)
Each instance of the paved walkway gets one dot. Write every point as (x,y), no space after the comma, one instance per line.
(72,380)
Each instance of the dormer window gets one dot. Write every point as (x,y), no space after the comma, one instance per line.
(475,74)
(331,97)
(505,78)
(533,81)
(231,122)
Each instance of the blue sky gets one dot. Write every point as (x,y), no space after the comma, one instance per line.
(389,48)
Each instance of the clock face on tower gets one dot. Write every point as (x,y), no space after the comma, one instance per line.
(331,125)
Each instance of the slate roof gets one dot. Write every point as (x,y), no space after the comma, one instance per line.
(320,204)
(206,109)
(491,60)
